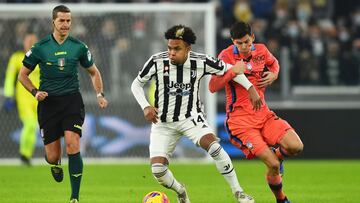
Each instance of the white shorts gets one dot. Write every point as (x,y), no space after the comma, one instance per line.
(164,136)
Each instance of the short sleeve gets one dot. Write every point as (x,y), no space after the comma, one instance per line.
(32,58)
(86,59)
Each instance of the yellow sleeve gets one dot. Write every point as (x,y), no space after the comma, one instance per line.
(14,65)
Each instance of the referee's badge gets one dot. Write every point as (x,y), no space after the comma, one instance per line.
(88,55)
(28,53)
(61,63)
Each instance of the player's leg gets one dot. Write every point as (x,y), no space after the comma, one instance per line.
(51,134)
(72,127)
(28,116)
(163,139)
(278,132)
(72,119)
(53,157)
(201,134)
(224,165)
(273,176)
(275,149)
(27,139)
(72,141)
(290,145)
(164,176)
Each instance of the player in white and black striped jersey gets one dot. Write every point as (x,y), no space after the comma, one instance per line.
(178,84)
(177,110)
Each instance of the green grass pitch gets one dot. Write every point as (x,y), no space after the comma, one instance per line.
(313,181)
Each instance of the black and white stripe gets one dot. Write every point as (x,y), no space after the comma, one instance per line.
(177,86)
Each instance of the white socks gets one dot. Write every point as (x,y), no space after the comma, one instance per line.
(222,161)
(224,166)
(164,176)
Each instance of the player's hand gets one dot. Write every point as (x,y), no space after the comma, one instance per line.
(267,79)
(150,114)
(239,67)
(9,104)
(102,102)
(41,95)
(254,98)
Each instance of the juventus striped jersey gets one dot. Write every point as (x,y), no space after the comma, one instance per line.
(177,86)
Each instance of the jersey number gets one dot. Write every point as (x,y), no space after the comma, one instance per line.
(199,120)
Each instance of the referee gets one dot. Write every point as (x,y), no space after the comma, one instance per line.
(61,108)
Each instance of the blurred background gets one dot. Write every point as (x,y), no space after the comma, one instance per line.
(317,43)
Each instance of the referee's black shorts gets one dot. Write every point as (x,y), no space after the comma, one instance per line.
(57,114)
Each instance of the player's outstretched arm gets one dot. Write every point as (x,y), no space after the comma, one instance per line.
(218,82)
(24,79)
(98,85)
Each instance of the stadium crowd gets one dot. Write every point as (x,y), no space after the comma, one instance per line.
(322,36)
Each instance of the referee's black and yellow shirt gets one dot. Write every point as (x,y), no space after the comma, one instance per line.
(58,64)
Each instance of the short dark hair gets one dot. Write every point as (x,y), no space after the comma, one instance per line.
(240,29)
(181,32)
(60,8)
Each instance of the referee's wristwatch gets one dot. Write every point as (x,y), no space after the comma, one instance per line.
(34,91)
(101,94)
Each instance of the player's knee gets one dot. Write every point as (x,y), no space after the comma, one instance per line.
(207,140)
(159,170)
(296,148)
(274,166)
(52,158)
(72,148)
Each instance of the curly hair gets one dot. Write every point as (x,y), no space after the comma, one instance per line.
(181,32)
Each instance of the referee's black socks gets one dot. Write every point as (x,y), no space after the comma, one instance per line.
(75,172)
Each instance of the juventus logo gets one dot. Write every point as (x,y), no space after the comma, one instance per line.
(227,167)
